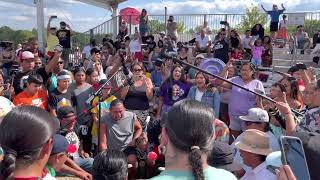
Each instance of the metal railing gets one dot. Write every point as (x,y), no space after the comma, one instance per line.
(188,25)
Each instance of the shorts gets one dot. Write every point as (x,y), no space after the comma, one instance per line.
(256,62)
(274,26)
(236,124)
(130,151)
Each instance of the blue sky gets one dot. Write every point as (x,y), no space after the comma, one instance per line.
(21,14)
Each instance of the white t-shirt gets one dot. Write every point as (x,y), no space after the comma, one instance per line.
(245,42)
(199,95)
(135,46)
(203,42)
(86,50)
(284,24)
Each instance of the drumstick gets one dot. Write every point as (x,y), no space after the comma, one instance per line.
(230,82)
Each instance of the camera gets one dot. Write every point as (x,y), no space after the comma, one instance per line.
(223,22)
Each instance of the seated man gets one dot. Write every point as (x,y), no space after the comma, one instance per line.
(59,155)
(33,94)
(257,119)
(254,148)
(203,43)
(81,163)
(119,130)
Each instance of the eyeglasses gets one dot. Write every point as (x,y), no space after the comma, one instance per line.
(223,34)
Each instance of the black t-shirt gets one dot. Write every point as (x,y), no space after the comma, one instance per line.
(151,45)
(58,99)
(221,50)
(64,38)
(20,79)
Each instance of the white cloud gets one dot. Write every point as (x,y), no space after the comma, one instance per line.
(19,18)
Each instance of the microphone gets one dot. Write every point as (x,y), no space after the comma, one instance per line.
(126,73)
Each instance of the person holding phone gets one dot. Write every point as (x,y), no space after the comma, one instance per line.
(172,29)
(64,35)
(52,39)
(137,96)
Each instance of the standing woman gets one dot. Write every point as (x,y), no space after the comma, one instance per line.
(143,23)
(187,137)
(81,91)
(137,96)
(257,32)
(202,93)
(174,89)
(241,101)
(26,138)
(283,30)
(267,54)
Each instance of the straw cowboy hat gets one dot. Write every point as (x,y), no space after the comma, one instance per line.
(254,141)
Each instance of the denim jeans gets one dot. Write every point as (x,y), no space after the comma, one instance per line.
(84,163)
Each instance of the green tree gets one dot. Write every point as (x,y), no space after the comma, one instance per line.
(253,16)
(156,26)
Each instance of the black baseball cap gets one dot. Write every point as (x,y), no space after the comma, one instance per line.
(64,111)
(221,156)
(62,23)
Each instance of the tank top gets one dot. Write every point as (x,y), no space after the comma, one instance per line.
(136,98)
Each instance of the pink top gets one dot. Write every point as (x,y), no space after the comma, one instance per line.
(257,52)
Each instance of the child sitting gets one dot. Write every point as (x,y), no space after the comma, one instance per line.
(237,54)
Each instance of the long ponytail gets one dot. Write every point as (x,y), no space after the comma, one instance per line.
(8,164)
(195,161)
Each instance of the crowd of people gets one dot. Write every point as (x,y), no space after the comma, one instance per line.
(130,110)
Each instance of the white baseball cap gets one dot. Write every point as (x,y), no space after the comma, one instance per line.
(200,56)
(256,115)
(27,55)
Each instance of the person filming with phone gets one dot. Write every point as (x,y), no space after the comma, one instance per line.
(64,35)
(52,39)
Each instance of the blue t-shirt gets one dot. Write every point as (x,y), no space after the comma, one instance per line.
(156,78)
(209,173)
(275,15)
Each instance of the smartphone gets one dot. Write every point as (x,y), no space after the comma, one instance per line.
(54,16)
(223,22)
(293,155)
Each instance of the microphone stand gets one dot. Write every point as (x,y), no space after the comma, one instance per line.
(97,94)
(230,82)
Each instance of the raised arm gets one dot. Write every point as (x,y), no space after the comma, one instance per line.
(263,8)
(283,8)
(48,25)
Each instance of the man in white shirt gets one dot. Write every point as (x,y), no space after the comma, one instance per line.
(245,42)
(256,119)
(203,43)
(254,148)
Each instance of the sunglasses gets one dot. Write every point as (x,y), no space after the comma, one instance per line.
(137,70)
(60,62)
(248,123)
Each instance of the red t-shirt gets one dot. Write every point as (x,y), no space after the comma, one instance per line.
(40,99)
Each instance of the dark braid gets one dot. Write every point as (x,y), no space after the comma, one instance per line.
(196,164)
(8,165)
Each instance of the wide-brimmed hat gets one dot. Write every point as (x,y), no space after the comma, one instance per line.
(254,141)
(256,115)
